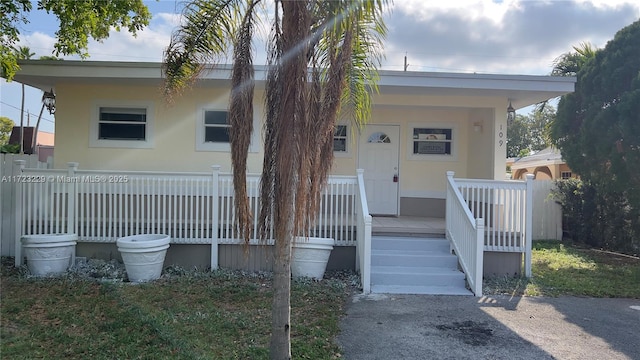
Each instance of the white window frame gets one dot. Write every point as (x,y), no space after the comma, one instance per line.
(565,175)
(202,145)
(347,139)
(433,157)
(94,128)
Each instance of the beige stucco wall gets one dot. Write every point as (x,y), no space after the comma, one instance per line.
(174,130)
(174,134)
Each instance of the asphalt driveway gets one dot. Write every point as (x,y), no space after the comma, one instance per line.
(493,327)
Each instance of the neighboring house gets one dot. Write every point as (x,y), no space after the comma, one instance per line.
(111,116)
(43,145)
(546,164)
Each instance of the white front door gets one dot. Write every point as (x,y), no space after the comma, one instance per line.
(378,150)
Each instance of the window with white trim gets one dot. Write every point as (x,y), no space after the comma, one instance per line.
(216,126)
(432,141)
(565,175)
(122,124)
(117,123)
(340,139)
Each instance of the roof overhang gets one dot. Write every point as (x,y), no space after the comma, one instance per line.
(521,90)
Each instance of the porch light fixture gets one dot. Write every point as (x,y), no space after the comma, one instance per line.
(511,113)
(49,101)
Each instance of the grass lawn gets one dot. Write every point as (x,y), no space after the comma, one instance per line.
(198,315)
(564,269)
(226,315)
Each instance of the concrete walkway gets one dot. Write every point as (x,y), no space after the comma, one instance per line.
(494,327)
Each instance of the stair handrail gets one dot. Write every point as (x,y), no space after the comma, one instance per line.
(363,234)
(465,234)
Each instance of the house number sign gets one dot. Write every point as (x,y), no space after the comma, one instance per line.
(501,135)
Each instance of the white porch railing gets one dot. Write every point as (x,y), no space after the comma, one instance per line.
(506,208)
(465,234)
(192,208)
(363,233)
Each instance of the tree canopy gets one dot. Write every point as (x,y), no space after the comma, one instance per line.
(6,126)
(78,22)
(598,126)
(529,133)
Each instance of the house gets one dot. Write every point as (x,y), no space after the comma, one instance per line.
(111,116)
(546,164)
(41,144)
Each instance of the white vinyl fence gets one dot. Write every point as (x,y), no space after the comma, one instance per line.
(192,208)
(547,213)
(8,168)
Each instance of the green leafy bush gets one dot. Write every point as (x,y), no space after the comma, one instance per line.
(599,218)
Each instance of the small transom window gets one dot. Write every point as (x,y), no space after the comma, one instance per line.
(379,137)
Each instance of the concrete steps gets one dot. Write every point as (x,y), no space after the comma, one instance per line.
(415,265)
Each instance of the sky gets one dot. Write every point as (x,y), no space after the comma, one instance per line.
(465,36)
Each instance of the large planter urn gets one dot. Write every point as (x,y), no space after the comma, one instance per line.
(310,256)
(143,255)
(49,254)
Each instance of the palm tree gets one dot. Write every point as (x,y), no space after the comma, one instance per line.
(22,53)
(569,63)
(323,58)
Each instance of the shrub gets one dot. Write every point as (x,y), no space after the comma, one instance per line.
(598,218)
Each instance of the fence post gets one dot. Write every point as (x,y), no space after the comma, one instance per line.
(20,164)
(479,258)
(528,225)
(448,209)
(72,188)
(72,168)
(215,180)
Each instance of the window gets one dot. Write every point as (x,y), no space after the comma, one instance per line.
(340,139)
(122,124)
(212,130)
(564,175)
(216,126)
(433,142)
(379,138)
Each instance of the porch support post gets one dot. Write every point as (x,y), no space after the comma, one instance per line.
(19,226)
(215,182)
(72,168)
(528,233)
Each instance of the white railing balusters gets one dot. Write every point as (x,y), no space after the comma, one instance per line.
(465,234)
(505,207)
(193,208)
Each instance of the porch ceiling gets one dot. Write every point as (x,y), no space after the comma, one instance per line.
(521,90)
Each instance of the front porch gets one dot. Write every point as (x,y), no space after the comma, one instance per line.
(196,210)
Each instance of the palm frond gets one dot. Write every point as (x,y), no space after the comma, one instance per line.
(204,37)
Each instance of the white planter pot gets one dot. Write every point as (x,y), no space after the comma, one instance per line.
(49,254)
(310,256)
(143,255)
